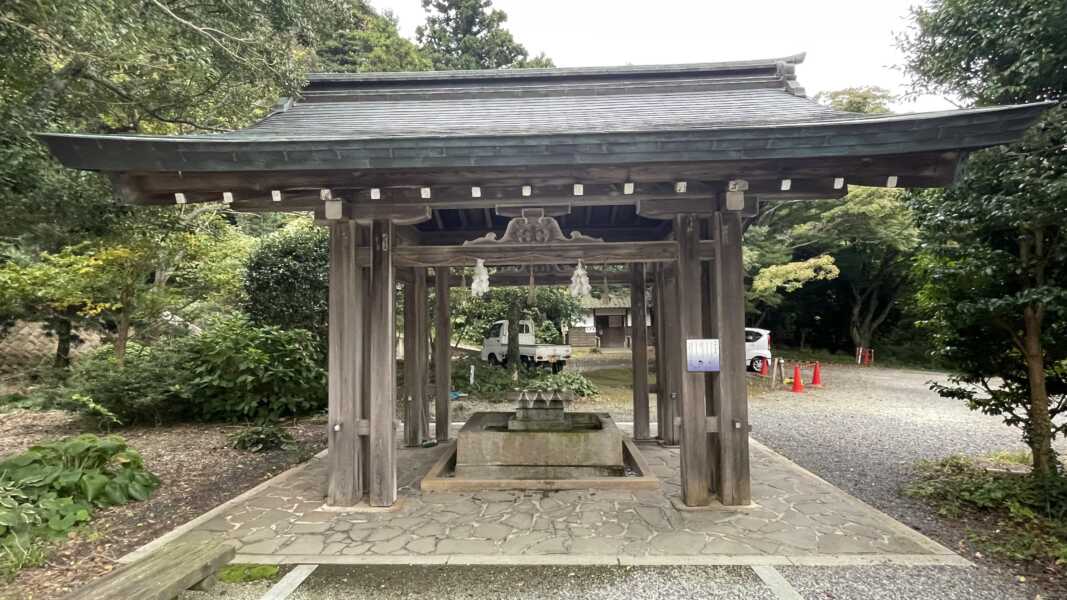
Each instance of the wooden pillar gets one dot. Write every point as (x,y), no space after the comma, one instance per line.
(711,331)
(661,358)
(673,366)
(415,424)
(696,488)
(734,478)
(382,371)
(423,338)
(442,354)
(345,384)
(639,350)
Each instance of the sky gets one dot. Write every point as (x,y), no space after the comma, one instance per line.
(848,43)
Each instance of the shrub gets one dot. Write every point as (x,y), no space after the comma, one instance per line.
(232,371)
(52,487)
(237,371)
(1029,513)
(141,390)
(492,383)
(564,381)
(261,438)
(287,280)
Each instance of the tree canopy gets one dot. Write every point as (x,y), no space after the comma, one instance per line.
(470,34)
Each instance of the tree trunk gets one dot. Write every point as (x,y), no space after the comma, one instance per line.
(514,316)
(64,335)
(1039,437)
(122,335)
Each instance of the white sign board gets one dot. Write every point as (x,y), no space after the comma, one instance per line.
(702,356)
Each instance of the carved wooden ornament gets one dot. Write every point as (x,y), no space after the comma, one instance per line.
(532,228)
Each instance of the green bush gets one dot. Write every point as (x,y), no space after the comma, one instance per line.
(237,371)
(141,390)
(1026,516)
(261,438)
(287,280)
(492,383)
(232,371)
(52,487)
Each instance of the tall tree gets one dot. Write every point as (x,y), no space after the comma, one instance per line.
(864,99)
(131,66)
(994,252)
(371,43)
(470,34)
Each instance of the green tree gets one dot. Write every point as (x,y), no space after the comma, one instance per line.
(864,99)
(470,34)
(993,259)
(372,43)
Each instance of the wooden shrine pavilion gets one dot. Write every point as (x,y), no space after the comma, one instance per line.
(648,166)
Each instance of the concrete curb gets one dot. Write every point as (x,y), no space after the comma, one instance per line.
(824,560)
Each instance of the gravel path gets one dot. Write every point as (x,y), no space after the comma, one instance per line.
(865,429)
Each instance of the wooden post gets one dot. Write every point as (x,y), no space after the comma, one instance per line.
(413,370)
(442,354)
(711,331)
(734,477)
(345,385)
(672,365)
(639,350)
(422,353)
(696,488)
(382,372)
(662,383)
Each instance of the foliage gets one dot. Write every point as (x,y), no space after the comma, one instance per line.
(867,99)
(993,253)
(493,383)
(372,43)
(470,34)
(989,51)
(236,370)
(141,390)
(52,487)
(1030,514)
(261,438)
(790,277)
(472,317)
(564,381)
(232,371)
(287,280)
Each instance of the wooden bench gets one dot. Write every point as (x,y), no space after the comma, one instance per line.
(161,575)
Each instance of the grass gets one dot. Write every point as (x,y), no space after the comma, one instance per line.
(239,573)
(1008,515)
(615,384)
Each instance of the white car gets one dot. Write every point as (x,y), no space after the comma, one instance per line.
(757,347)
(495,347)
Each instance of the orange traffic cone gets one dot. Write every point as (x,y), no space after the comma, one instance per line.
(816,376)
(798,385)
(764,368)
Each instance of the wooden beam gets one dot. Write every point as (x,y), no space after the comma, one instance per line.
(639,351)
(734,477)
(694,444)
(382,371)
(346,459)
(538,254)
(442,355)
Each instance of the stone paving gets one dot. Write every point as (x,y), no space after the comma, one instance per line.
(796,518)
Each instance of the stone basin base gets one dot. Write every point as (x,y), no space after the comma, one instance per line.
(592,446)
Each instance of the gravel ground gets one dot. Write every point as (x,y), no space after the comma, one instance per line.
(865,429)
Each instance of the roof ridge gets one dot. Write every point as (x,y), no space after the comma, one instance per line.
(775,64)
